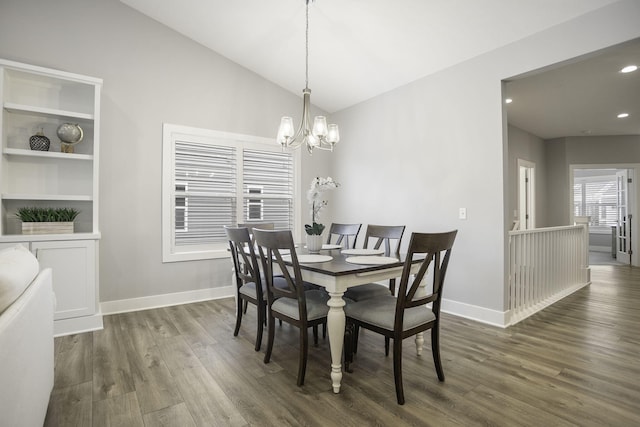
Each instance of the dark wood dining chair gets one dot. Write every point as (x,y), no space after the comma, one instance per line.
(249,285)
(291,303)
(405,316)
(250,226)
(390,238)
(346,234)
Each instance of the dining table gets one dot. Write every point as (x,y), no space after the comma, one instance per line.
(337,270)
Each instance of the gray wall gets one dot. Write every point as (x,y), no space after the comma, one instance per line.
(151,75)
(526,146)
(436,145)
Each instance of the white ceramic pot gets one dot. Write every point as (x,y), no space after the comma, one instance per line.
(314,243)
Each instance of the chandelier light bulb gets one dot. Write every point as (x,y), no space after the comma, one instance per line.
(333,135)
(320,127)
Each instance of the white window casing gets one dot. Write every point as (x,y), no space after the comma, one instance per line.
(212,179)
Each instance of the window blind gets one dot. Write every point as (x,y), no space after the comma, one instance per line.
(269,174)
(205,192)
(597,198)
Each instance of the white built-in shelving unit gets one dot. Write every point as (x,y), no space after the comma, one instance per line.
(40,99)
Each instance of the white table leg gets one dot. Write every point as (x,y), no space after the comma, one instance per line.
(335,328)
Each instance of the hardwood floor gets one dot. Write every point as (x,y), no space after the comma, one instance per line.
(575,363)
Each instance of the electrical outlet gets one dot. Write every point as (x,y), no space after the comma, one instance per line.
(462,213)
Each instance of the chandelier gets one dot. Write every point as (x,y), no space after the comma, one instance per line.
(321,136)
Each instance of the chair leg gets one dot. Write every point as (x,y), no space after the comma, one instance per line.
(348,347)
(304,348)
(392,286)
(397,369)
(324,330)
(238,317)
(271,332)
(261,320)
(356,333)
(315,335)
(435,349)
(386,346)
(246,304)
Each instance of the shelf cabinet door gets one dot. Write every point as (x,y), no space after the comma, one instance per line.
(74,275)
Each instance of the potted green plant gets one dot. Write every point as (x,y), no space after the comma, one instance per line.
(314,231)
(47,220)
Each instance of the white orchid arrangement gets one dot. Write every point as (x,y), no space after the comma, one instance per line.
(318,186)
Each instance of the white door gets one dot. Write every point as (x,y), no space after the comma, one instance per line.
(623,228)
(526,194)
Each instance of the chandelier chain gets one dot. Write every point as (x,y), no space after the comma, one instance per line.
(306,64)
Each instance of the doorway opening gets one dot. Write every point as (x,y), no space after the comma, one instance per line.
(603,195)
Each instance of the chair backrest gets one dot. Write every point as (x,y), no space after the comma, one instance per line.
(436,248)
(385,234)
(245,262)
(271,245)
(261,225)
(347,233)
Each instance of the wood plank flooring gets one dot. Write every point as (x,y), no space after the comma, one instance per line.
(577,363)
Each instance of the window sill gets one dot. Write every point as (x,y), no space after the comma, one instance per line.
(195,256)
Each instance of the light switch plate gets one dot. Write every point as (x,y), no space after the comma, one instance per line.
(462,213)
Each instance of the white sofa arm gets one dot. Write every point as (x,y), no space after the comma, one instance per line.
(26,355)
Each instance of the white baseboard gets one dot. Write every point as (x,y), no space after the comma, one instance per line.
(600,249)
(474,312)
(165,300)
(77,325)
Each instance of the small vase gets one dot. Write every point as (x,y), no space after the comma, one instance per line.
(39,142)
(314,243)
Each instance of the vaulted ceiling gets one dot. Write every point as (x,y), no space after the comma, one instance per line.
(362,48)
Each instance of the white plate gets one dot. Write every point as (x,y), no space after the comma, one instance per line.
(363,251)
(311,258)
(371,260)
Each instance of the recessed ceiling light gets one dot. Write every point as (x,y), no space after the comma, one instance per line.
(629,69)
(508,101)
(623,115)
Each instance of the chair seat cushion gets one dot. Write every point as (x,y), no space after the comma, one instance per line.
(370,290)
(316,305)
(381,312)
(249,289)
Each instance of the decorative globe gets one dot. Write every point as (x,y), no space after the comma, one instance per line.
(70,133)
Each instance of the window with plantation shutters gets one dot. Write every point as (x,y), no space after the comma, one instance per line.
(214,179)
(597,198)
